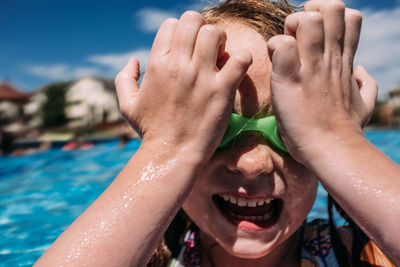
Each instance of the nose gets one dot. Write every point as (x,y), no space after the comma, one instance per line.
(252,161)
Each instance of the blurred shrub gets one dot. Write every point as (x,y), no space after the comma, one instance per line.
(376,118)
(53,108)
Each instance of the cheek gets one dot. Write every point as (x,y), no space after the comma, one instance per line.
(197,204)
(303,194)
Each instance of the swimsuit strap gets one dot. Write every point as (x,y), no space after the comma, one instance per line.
(189,253)
(316,248)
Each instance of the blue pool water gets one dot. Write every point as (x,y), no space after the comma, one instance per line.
(41,194)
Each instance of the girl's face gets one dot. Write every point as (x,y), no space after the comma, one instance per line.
(249,198)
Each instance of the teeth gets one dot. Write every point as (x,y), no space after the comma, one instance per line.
(267,216)
(252,203)
(242,202)
(262,218)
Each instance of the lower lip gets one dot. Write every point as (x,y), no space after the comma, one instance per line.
(249,226)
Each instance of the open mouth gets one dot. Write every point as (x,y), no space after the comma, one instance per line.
(250,214)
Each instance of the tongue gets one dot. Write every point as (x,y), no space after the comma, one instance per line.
(248,211)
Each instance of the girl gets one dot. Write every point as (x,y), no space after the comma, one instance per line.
(247,201)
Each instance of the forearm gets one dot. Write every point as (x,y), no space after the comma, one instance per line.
(123,226)
(366,184)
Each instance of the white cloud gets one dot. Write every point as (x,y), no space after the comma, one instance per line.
(104,65)
(117,61)
(150,19)
(61,71)
(379,49)
(56,71)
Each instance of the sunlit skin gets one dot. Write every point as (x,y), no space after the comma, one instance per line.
(181,110)
(251,169)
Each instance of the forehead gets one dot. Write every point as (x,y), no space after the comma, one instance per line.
(253,97)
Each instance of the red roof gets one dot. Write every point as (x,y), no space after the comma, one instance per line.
(9,92)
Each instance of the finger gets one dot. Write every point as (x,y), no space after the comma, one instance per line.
(210,43)
(334,26)
(368,87)
(284,55)
(186,33)
(165,36)
(309,29)
(126,84)
(353,21)
(234,70)
(291,25)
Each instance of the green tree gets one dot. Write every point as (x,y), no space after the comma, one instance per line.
(53,109)
(376,117)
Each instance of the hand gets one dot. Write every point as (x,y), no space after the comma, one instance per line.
(184,99)
(317,96)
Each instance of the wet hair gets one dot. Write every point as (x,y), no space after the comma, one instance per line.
(267,17)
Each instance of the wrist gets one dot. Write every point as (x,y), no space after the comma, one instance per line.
(161,151)
(333,142)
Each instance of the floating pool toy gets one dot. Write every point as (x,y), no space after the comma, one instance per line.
(267,125)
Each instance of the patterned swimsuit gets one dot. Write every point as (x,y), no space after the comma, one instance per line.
(316,247)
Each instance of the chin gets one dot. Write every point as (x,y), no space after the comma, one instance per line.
(249,249)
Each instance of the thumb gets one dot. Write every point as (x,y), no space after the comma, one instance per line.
(368,87)
(126,85)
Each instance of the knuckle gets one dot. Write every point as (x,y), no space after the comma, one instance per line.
(354,16)
(192,15)
(374,84)
(337,6)
(308,5)
(291,18)
(243,59)
(209,29)
(314,17)
(169,22)
(120,76)
(189,14)
(287,42)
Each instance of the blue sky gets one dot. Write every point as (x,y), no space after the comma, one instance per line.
(50,40)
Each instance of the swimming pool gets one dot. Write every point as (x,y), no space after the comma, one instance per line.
(41,194)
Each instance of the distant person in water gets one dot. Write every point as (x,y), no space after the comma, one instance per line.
(43,146)
(78,142)
(186,199)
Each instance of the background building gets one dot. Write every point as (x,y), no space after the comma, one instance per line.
(12,102)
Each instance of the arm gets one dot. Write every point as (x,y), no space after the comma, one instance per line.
(365,183)
(123,226)
(321,105)
(181,111)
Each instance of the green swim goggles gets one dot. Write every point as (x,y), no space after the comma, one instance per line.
(267,125)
